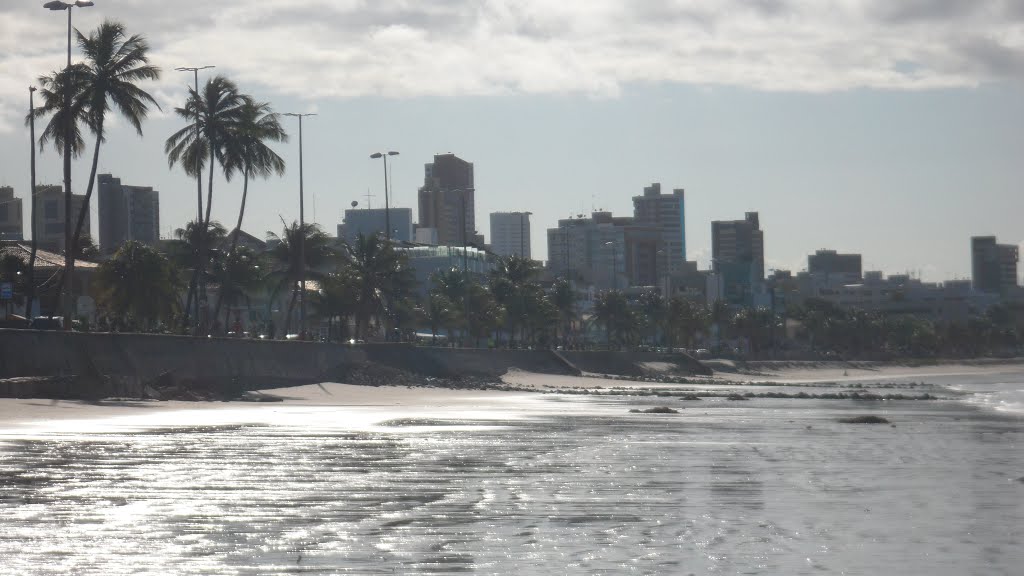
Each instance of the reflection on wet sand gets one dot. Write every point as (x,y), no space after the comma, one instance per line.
(584,486)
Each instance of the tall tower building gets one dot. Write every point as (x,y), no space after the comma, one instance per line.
(657,245)
(737,255)
(993,266)
(10,215)
(446,200)
(49,216)
(127,213)
(510,233)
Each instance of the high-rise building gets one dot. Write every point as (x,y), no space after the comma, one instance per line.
(590,250)
(127,213)
(49,216)
(831,263)
(993,266)
(510,233)
(446,200)
(10,215)
(656,244)
(737,254)
(370,221)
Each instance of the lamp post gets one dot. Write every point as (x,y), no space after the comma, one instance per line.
(30,291)
(57,5)
(387,204)
(615,265)
(200,278)
(302,235)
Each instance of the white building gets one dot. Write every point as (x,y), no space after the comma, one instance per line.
(952,300)
(370,221)
(510,234)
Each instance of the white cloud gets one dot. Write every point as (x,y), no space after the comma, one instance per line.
(348,48)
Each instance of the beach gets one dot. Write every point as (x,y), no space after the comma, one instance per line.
(556,476)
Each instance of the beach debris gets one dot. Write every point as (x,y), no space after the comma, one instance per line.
(655,410)
(865,419)
(735,397)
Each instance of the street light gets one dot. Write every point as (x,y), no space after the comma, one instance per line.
(57,5)
(615,264)
(387,205)
(302,234)
(31,288)
(200,224)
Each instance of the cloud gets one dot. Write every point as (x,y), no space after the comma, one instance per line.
(404,48)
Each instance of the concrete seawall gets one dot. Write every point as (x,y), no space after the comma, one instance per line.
(87,365)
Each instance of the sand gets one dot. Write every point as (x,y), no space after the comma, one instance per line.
(21,412)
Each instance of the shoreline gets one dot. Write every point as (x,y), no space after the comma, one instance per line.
(878,386)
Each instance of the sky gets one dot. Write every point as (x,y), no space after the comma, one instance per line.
(890,129)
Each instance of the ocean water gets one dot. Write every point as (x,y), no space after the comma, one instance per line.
(551,483)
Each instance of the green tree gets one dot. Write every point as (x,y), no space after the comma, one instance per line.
(564,298)
(683,320)
(214,116)
(453,286)
(337,299)
(115,64)
(138,286)
(184,250)
(238,275)
(611,309)
(509,283)
(382,277)
(285,272)
(247,152)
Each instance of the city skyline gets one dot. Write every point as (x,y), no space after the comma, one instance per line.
(853,161)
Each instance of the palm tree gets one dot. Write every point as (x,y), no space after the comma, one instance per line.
(138,286)
(52,90)
(285,268)
(238,275)
(453,285)
(564,298)
(248,153)
(381,277)
(612,310)
(653,307)
(215,115)
(114,64)
(337,298)
(438,313)
(185,249)
(508,282)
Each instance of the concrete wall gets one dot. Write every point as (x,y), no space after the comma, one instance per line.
(143,357)
(119,364)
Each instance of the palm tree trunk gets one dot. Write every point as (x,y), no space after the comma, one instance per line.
(203,228)
(84,210)
(234,241)
(288,317)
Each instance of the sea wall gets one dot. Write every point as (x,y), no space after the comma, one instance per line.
(72,364)
(135,359)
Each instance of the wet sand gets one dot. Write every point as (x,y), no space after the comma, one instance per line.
(341,479)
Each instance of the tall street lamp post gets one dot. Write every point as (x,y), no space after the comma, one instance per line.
(199,195)
(30,291)
(69,256)
(387,204)
(302,235)
(615,265)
